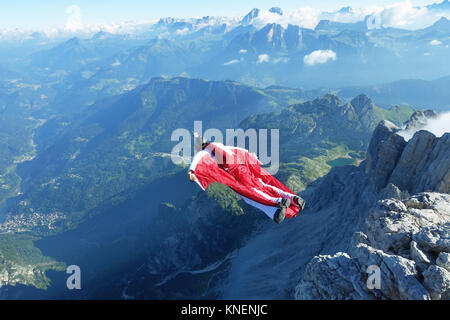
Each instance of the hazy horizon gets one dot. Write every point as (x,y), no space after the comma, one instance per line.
(82,15)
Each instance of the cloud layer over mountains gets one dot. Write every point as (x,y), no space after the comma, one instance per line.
(402,14)
(438,126)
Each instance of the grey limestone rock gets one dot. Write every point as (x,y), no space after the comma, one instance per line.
(443,260)
(437,282)
(403,239)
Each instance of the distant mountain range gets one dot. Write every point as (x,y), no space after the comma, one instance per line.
(218,48)
(79,72)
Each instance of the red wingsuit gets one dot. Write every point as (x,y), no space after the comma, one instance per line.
(241,171)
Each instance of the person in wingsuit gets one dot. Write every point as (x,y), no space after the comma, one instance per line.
(242,172)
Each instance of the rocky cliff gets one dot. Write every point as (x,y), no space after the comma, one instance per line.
(407,240)
(391,212)
(405,233)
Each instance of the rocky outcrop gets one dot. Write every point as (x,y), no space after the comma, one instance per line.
(421,164)
(407,241)
(364,107)
(384,150)
(404,240)
(250,17)
(424,164)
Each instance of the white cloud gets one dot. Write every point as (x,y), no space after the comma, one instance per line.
(435,42)
(354,15)
(73,22)
(401,14)
(263,58)
(306,17)
(440,125)
(231,62)
(319,57)
(437,126)
(242,51)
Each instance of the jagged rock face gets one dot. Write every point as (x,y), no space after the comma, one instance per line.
(294,37)
(406,237)
(251,16)
(384,150)
(393,225)
(343,265)
(271,36)
(364,107)
(424,164)
(421,164)
(407,240)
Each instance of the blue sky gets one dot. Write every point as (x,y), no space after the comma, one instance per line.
(32,14)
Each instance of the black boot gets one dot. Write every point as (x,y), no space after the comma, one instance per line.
(284,203)
(300,202)
(279,215)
